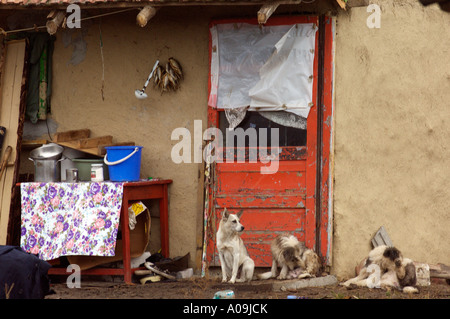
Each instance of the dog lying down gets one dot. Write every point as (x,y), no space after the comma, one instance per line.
(294,259)
(386,268)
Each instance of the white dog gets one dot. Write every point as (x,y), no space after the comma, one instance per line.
(386,268)
(232,252)
(294,259)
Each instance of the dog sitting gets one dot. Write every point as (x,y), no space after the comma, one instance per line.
(294,259)
(232,252)
(386,268)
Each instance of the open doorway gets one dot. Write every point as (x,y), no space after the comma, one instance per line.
(291,198)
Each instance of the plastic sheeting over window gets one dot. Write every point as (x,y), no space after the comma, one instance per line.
(268,68)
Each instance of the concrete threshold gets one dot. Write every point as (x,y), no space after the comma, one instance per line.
(294,284)
(280,285)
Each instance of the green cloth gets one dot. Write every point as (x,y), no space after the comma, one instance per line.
(40,76)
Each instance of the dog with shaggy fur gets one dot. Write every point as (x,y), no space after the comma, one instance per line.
(294,259)
(386,268)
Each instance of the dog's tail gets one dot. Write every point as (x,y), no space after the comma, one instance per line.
(265,276)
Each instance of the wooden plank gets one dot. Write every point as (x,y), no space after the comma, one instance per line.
(266,11)
(92,150)
(272,200)
(341,4)
(381,238)
(71,135)
(311,157)
(290,220)
(9,118)
(440,271)
(257,220)
(283,166)
(5,159)
(2,65)
(34,143)
(256,183)
(93,142)
(326,165)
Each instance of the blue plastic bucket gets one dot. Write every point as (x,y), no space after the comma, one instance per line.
(124,163)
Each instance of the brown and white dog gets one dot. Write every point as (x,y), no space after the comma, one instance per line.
(294,259)
(386,268)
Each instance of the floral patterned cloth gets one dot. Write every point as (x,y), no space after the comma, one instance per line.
(70,218)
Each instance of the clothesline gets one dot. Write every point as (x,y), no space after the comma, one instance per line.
(36,28)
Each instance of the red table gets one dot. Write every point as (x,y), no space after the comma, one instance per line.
(133,191)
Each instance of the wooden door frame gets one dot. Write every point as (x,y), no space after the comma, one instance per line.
(324,204)
(318,177)
(11,206)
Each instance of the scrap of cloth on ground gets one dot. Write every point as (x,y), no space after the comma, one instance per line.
(22,275)
(62,219)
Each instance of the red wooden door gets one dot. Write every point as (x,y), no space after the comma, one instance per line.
(272,203)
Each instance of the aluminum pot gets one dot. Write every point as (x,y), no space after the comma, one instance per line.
(47,162)
(47,151)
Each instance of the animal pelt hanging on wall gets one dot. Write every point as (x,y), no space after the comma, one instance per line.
(168,78)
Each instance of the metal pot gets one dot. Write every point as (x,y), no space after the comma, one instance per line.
(47,162)
(47,151)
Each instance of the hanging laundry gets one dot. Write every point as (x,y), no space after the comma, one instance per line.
(40,76)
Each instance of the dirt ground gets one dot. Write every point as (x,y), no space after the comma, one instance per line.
(202,288)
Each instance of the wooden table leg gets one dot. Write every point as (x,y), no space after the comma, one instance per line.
(126,240)
(164,222)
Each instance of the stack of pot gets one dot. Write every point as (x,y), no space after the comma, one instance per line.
(47,162)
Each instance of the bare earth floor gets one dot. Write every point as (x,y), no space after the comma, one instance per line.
(202,288)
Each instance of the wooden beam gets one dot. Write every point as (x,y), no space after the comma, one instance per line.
(341,4)
(93,141)
(53,24)
(138,4)
(5,159)
(266,11)
(52,14)
(73,145)
(71,135)
(145,15)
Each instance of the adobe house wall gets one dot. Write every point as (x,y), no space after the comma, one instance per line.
(391,133)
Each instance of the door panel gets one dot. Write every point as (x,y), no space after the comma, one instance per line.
(271,203)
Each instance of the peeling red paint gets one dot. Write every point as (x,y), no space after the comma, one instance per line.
(286,200)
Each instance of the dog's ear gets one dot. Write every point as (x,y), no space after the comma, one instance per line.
(239,214)
(225,214)
(392,253)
